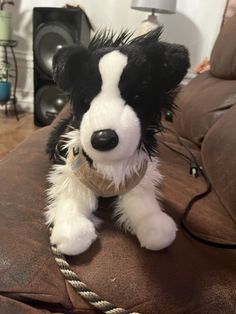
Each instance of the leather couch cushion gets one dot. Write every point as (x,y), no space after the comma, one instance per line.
(201,103)
(223,56)
(208,217)
(185,277)
(219,157)
(11,306)
(27,269)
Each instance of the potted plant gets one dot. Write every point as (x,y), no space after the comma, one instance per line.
(5,85)
(5,21)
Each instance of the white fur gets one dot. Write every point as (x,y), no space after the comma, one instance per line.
(141,214)
(111,67)
(109,111)
(70,210)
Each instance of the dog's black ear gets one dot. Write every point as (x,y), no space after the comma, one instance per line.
(169,63)
(70,65)
(176,63)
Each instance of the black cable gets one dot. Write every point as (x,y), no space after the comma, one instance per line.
(175,151)
(199,170)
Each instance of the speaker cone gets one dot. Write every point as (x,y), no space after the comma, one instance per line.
(50,37)
(49,100)
(53,28)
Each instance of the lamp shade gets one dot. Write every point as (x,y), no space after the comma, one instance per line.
(159,6)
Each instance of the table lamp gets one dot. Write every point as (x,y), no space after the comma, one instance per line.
(154,6)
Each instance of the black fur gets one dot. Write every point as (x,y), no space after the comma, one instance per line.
(108,39)
(148,83)
(54,140)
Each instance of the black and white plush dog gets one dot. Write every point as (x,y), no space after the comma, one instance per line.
(118,90)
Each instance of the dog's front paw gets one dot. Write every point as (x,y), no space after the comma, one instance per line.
(73,235)
(156,232)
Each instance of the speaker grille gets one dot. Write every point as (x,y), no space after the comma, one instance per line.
(48,39)
(53,28)
(49,101)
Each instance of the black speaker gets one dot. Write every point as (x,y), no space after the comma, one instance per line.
(53,28)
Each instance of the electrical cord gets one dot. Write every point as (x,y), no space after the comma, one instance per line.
(195,170)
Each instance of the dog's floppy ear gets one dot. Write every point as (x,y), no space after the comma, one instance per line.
(169,63)
(70,65)
(176,63)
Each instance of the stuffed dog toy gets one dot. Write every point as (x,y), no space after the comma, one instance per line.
(118,90)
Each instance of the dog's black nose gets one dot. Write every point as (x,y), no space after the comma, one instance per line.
(104,140)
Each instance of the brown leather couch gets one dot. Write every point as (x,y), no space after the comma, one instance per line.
(188,277)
